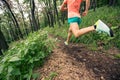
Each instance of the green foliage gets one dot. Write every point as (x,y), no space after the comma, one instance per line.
(117,56)
(58,31)
(110,15)
(101,2)
(116,40)
(19,61)
(51,76)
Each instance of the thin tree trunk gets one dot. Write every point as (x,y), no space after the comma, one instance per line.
(94,4)
(1,52)
(48,18)
(38,19)
(16,37)
(51,19)
(3,43)
(32,5)
(21,11)
(14,18)
(13,35)
(63,15)
(55,8)
(31,23)
(112,2)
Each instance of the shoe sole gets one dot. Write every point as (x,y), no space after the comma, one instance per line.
(111,33)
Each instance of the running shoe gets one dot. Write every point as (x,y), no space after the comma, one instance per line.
(102,27)
(66,43)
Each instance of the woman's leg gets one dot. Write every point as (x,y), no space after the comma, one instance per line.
(78,32)
(74,29)
(69,35)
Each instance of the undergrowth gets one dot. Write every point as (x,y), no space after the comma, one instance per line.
(20,60)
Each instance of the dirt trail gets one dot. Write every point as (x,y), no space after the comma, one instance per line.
(77,62)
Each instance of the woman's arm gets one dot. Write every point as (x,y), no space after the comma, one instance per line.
(86,8)
(87,5)
(63,7)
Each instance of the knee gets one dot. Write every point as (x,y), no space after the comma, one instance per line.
(76,35)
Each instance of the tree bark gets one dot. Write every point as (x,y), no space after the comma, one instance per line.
(3,43)
(14,18)
(37,18)
(55,8)
(30,20)
(21,11)
(93,4)
(32,5)
(15,35)
(12,33)
(112,2)
(1,52)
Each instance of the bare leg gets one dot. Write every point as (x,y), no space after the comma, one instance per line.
(69,35)
(74,29)
(78,32)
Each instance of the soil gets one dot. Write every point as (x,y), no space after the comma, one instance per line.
(78,62)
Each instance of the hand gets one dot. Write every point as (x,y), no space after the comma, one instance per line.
(85,13)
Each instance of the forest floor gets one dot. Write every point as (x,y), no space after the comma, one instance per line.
(78,62)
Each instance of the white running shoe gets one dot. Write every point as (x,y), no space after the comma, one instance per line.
(66,43)
(102,27)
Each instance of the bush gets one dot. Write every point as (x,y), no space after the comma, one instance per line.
(19,61)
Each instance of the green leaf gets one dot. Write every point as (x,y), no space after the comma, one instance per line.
(1,68)
(114,27)
(31,60)
(30,73)
(15,58)
(26,75)
(16,71)
(10,69)
(6,58)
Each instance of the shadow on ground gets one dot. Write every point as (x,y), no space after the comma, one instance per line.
(104,67)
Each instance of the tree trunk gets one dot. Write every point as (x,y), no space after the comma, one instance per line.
(94,4)
(37,17)
(21,11)
(63,16)
(112,2)
(31,23)
(51,19)
(3,43)
(1,52)
(12,32)
(48,18)
(15,35)
(32,5)
(14,18)
(55,8)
